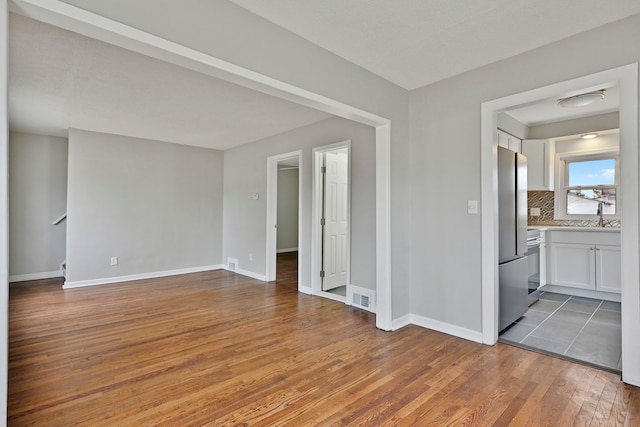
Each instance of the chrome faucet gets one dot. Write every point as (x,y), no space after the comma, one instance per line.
(600,213)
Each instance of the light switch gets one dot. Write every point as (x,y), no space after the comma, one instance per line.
(472,206)
(534,211)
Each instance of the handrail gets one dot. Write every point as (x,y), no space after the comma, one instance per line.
(60,219)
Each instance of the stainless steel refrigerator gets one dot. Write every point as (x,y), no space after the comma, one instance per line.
(513,265)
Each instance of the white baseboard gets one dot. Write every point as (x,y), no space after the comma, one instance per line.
(280,251)
(401,322)
(436,325)
(587,293)
(261,277)
(129,278)
(305,289)
(35,276)
(630,380)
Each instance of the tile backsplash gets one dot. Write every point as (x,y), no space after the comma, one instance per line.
(544,201)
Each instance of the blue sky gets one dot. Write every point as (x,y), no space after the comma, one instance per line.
(593,172)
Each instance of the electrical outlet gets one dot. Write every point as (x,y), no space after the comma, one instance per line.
(114,260)
(534,211)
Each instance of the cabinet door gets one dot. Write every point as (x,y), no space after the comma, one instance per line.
(608,269)
(540,155)
(573,264)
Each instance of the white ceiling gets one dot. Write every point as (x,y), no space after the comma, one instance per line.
(548,110)
(413,43)
(60,80)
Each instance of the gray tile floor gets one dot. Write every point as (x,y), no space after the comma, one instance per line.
(579,328)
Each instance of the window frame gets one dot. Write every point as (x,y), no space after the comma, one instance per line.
(562,182)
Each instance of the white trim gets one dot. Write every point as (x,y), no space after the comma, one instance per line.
(384,315)
(316,206)
(305,289)
(437,325)
(142,276)
(627,79)
(560,180)
(285,250)
(401,322)
(4,214)
(89,24)
(272,211)
(251,274)
(588,293)
(35,276)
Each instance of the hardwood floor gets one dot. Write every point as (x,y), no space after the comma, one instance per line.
(221,349)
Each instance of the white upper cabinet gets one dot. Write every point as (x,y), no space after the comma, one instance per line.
(509,141)
(540,155)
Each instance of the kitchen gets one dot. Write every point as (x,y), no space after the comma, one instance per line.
(573,272)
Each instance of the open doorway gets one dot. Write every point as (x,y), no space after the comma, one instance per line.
(331,212)
(288,212)
(626,78)
(283,217)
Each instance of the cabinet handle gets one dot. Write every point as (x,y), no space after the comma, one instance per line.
(590,249)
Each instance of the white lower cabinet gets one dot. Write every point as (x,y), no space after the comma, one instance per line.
(586,260)
(608,270)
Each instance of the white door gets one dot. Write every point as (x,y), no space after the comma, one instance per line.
(336,216)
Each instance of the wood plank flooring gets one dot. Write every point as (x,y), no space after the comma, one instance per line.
(221,349)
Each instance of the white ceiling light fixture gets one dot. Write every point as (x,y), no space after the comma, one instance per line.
(589,135)
(583,99)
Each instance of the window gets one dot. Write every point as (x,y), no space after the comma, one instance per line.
(588,185)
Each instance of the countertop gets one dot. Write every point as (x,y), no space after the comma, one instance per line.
(569,228)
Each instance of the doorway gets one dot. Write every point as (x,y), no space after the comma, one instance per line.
(284,173)
(331,216)
(627,79)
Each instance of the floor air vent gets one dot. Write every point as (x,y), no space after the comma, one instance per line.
(362,301)
(232,264)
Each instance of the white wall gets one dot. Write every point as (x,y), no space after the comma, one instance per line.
(287,236)
(245,173)
(579,144)
(576,126)
(37,196)
(156,206)
(445,162)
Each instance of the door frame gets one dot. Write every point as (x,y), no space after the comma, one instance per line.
(627,79)
(316,215)
(272,212)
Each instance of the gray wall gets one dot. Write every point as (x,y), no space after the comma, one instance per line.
(445,247)
(37,196)
(155,205)
(277,53)
(287,209)
(245,173)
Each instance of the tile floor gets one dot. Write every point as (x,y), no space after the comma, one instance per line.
(583,329)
